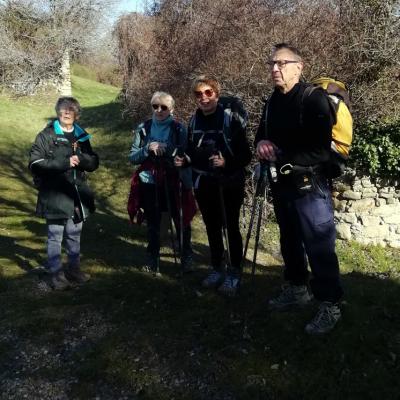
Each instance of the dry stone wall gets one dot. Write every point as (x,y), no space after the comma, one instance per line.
(367,211)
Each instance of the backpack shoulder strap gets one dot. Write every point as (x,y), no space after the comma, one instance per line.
(307,93)
(226,127)
(143,129)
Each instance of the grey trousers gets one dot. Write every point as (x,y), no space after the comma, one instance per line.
(57,230)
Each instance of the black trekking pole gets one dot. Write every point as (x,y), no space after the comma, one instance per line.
(157,205)
(256,208)
(171,227)
(179,153)
(224,219)
(224,225)
(266,171)
(260,194)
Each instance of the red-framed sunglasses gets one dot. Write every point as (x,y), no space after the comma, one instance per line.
(199,94)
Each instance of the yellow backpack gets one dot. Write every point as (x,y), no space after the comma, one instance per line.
(342,130)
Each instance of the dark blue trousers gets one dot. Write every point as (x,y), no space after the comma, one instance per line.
(307,231)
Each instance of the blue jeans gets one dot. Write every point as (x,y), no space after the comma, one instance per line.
(307,233)
(57,230)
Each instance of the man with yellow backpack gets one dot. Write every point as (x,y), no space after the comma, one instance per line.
(295,138)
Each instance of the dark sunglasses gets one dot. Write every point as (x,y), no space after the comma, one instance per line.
(207,93)
(157,106)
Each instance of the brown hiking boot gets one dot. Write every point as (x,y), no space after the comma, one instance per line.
(58,281)
(76,275)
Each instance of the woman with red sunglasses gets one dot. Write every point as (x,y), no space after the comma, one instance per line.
(219,151)
(162,186)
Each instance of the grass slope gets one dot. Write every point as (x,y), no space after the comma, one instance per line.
(126,335)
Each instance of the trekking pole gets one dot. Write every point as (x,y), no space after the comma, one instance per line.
(171,228)
(179,153)
(224,224)
(257,202)
(260,194)
(157,204)
(181,219)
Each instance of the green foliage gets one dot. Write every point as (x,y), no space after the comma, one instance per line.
(376,149)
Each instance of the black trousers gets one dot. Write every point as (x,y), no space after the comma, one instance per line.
(308,233)
(154,201)
(208,200)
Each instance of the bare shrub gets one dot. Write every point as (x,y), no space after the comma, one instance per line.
(356,41)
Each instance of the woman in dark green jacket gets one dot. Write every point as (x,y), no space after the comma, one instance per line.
(59,159)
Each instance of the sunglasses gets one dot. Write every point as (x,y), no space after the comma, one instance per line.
(158,106)
(207,93)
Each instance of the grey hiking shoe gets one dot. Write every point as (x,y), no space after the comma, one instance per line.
(58,281)
(325,320)
(213,280)
(291,295)
(76,275)
(230,286)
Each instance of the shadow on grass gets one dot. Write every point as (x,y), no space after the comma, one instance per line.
(127,333)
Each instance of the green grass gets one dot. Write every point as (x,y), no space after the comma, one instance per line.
(126,335)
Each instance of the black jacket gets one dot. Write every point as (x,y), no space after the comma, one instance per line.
(303,143)
(61,188)
(207,137)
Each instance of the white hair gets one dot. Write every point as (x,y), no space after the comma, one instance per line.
(164,96)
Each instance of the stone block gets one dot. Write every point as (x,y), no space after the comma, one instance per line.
(343,231)
(379,232)
(341,187)
(386,195)
(362,205)
(385,209)
(351,195)
(339,205)
(368,194)
(349,218)
(368,220)
(394,243)
(356,229)
(391,219)
(366,182)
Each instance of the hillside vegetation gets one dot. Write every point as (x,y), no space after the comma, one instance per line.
(126,335)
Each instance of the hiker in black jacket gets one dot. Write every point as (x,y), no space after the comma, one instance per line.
(59,159)
(294,137)
(219,151)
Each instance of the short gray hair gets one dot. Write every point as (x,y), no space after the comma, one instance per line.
(69,103)
(163,96)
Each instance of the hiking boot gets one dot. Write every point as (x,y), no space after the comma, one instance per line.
(187,263)
(58,281)
(213,280)
(230,286)
(152,264)
(291,295)
(325,320)
(76,275)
